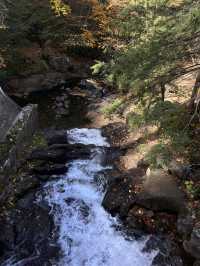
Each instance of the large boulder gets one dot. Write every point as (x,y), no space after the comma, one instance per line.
(185,224)
(120,195)
(116,132)
(193,245)
(56,137)
(60,63)
(91,86)
(37,82)
(41,82)
(27,183)
(160,192)
(28,234)
(169,252)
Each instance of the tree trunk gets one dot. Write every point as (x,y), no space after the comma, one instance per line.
(195,92)
(163,89)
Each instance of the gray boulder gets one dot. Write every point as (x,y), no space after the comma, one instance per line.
(37,82)
(61,153)
(169,253)
(185,224)
(160,192)
(56,137)
(60,63)
(50,169)
(179,170)
(193,245)
(92,87)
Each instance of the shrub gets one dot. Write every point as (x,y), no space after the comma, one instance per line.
(113,107)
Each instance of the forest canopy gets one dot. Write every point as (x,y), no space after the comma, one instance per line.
(158,41)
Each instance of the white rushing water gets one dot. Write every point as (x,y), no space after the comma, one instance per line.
(87,233)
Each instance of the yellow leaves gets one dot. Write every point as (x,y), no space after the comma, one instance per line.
(89,38)
(99,13)
(60,8)
(176,3)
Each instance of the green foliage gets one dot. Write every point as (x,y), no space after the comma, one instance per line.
(159,35)
(135,120)
(159,156)
(170,120)
(38,141)
(98,67)
(192,189)
(113,107)
(28,23)
(60,8)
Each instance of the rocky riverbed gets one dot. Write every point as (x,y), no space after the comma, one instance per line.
(58,215)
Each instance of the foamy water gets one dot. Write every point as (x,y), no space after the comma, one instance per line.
(87,233)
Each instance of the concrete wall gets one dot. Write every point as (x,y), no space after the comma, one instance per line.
(9,110)
(17,127)
(26,123)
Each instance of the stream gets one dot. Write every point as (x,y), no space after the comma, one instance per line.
(87,233)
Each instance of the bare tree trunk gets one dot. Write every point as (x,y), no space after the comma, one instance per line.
(195,92)
(163,89)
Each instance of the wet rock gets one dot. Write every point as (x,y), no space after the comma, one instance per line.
(25,201)
(27,234)
(119,196)
(49,155)
(59,104)
(169,253)
(66,104)
(62,111)
(51,169)
(58,99)
(193,245)
(62,105)
(7,235)
(79,204)
(111,154)
(61,153)
(38,82)
(26,184)
(163,260)
(60,63)
(115,132)
(151,222)
(179,170)
(143,164)
(44,178)
(160,192)
(185,225)
(92,87)
(134,221)
(56,137)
